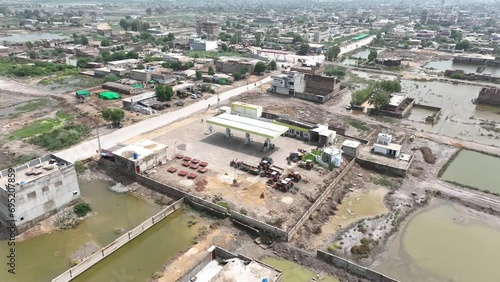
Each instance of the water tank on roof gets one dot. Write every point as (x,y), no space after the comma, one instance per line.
(136,156)
(264,280)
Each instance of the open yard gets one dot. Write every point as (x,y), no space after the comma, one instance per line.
(249,194)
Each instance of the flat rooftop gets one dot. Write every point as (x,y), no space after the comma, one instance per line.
(249,125)
(33,170)
(396,99)
(236,270)
(143,148)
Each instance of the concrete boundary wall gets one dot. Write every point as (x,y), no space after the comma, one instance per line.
(176,194)
(351,267)
(319,201)
(96,257)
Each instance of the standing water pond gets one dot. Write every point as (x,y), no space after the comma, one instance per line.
(293,272)
(445,243)
(44,257)
(484,176)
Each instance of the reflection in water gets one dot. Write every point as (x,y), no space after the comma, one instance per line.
(443,243)
(484,176)
(293,272)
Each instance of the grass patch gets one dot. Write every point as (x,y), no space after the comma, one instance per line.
(225,205)
(384,181)
(21,159)
(38,127)
(333,247)
(312,156)
(358,124)
(61,138)
(80,167)
(64,115)
(32,105)
(82,208)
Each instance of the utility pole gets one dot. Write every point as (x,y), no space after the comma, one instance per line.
(98,138)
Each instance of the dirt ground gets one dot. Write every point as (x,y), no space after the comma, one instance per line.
(251,195)
(416,57)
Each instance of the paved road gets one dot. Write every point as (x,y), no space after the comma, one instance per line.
(88,148)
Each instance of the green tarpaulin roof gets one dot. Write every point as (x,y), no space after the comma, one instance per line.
(138,86)
(108,95)
(82,93)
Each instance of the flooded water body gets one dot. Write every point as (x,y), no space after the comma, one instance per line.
(44,257)
(24,37)
(146,254)
(355,206)
(444,243)
(294,272)
(457,110)
(448,64)
(464,170)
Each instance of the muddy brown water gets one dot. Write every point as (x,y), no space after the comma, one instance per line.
(444,243)
(449,64)
(460,117)
(464,170)
(44,257)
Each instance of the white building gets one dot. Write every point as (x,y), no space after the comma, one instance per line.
(289,83)
(42,187)
(175,57)
(350,147)
(330,155)
(401,32)
(140,156)
(246,110)
(198,44)
(385,147)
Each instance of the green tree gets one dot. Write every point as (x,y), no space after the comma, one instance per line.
(457,75)
(259,68)
(463,45)
(84,40)
(105,42)
(272,65)
(82,208)
(82,62)
(228,23)
(29,45)
(198,75)
(148,11)
(211,70)
(456,35)
(140,67)
(32,54)
(380,98)
(373,55)
(303,49)
(132,55)
(170,37)
(115,116)
(124,24)
(164,92)
(333,52)
(235,39)
(224,47)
